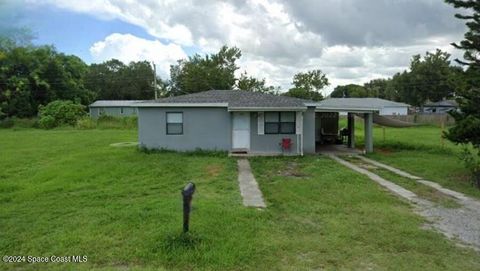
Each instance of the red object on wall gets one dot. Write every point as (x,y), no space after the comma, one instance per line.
(286,143)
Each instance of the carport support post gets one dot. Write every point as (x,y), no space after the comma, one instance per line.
(351,130)
(368,118)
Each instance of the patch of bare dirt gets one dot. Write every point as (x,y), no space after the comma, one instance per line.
(292,169)
(213,170)
(384,151)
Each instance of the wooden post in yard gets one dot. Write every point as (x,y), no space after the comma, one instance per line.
(441,134)
(383,129)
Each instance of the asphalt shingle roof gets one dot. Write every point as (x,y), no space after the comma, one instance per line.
(358,103)
(237,99)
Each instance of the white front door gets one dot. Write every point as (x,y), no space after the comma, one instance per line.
(241,130)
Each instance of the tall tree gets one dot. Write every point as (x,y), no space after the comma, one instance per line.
(31,76)
(197,73)
(433,76)
(308,85)
(114,80)
(249,83)
(471,43)
(467,121)
(377,88)
(349,91)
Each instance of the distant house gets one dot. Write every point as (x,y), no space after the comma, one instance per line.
(118,108)
(441,107)
(384,107)
(253,123)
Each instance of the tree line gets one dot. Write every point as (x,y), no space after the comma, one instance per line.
(431,77)
(31,76)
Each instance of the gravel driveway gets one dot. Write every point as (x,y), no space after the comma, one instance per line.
(459,224)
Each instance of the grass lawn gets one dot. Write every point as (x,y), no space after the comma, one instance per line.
(67,192)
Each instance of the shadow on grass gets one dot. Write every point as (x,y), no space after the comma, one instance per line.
(196,152)
(175,242)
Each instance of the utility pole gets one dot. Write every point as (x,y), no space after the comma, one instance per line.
(155,80)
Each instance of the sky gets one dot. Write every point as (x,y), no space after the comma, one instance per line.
(352,41)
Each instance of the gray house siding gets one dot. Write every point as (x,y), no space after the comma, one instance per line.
(268,143)
(96,112)
(203,128)
(309,131)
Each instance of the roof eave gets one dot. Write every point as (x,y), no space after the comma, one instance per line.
(263,109)
(347,109)
(153,104)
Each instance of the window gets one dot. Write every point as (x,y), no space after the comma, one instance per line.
(174,123)
(121,110)
(279,122)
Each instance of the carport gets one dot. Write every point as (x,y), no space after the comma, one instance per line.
(351,107)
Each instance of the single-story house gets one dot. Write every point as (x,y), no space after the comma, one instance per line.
(243,122)
(441,107)
(116,108)
(385,107)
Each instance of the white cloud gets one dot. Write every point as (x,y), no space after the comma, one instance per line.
(350,40)
(126,48)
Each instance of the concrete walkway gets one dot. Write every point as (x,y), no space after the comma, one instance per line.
(252,196)
(460,224)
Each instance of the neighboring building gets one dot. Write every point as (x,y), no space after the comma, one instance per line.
(242,122)
(441,107)
(119,108)
(384,107)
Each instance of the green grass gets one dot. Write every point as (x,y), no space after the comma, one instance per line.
(67,192)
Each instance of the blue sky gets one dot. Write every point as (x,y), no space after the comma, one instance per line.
(70,32)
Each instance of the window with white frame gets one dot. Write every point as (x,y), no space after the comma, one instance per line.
(279,122)
(174,123)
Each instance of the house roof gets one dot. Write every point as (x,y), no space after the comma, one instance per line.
(445,103)
(114,103)
(358,103)
(233,99)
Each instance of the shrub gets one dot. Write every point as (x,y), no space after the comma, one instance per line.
(25,122)
(47,122)
(86,123)
(59,113)
(6,123)
(110,122)
(472,163)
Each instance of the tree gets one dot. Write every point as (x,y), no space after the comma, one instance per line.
(467,120)
(307,85)
(378,88)
(349,91)
(35,75)
(114,80)
(250,83)
(432,76)
(197,73)
(471,43)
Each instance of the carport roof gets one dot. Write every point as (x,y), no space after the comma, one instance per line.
(355,104)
